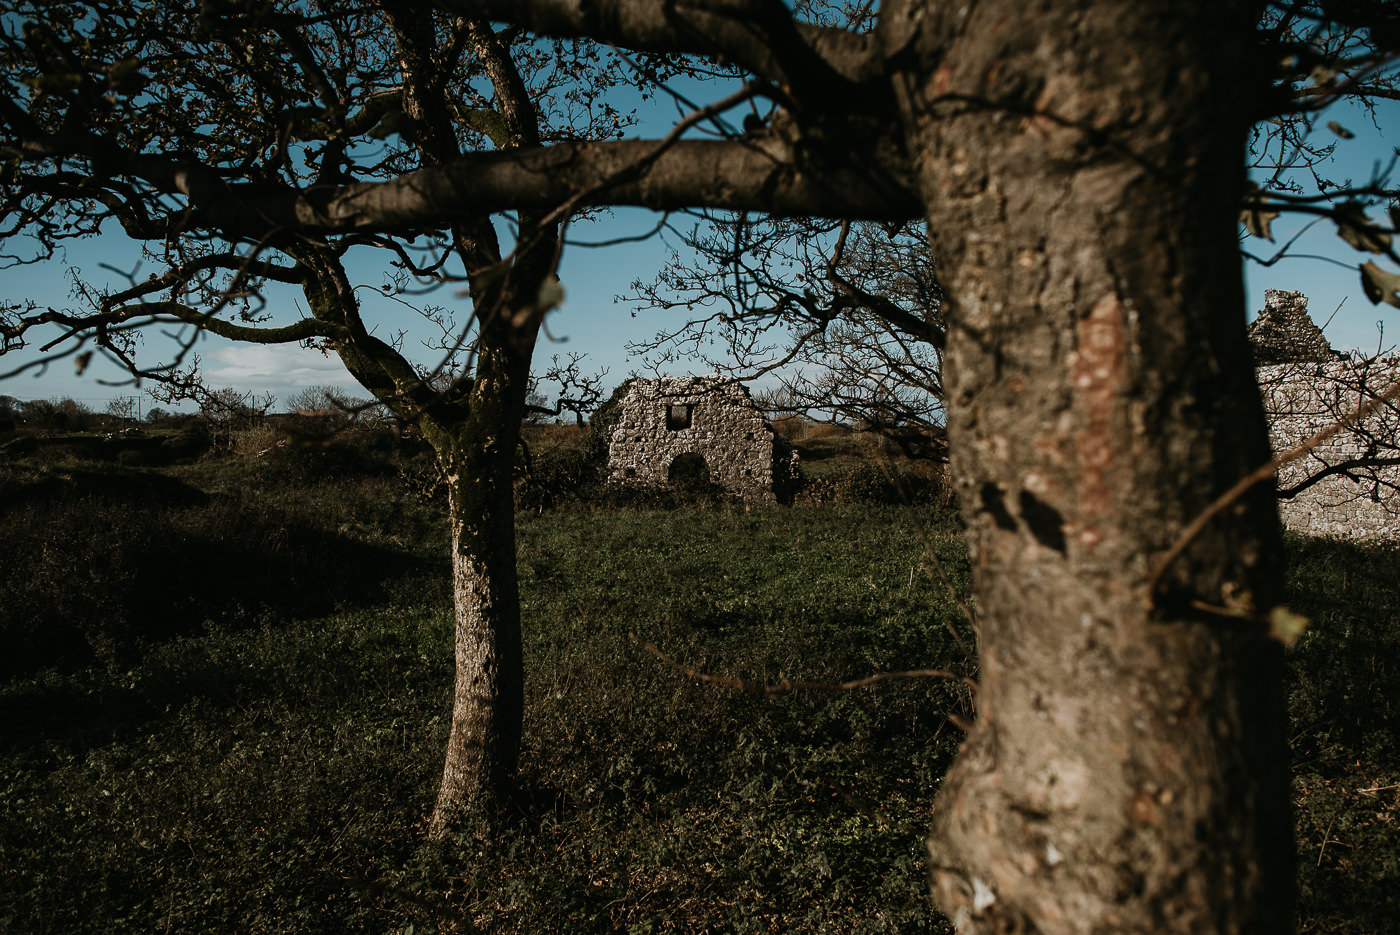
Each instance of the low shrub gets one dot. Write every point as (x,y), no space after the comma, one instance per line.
(556,476)
(256,440)
(812,431)
(873,483)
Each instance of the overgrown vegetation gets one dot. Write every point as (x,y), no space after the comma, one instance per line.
(227,686)
(1344,699)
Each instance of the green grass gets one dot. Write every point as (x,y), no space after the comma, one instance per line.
(740,813)
(265,763)
(236,722)
(254,781)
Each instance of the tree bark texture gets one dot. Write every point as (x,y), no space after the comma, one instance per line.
(484,740)
(1127,771)
(478,456)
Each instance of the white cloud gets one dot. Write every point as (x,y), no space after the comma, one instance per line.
(277,368)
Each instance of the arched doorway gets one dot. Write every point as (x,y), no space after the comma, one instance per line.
(689,473)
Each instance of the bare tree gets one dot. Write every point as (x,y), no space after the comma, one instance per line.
(58,414)
(846,318)
(1081,168)
(1323,57)
(123,407)
(150,115)
(576,392)
(335,403)
(232,407)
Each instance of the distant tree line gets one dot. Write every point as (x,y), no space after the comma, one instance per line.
(58,414)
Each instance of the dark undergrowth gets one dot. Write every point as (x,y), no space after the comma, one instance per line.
(227,689)
(102,560)
(1344,697)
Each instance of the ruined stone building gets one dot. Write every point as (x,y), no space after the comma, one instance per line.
(698,425)
(682,425)
(1306,386)
(1284,332)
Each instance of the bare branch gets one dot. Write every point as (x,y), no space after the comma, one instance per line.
(758,35)
(760,175)
(1262,473)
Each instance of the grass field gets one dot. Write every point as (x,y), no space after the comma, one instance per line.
(226,690)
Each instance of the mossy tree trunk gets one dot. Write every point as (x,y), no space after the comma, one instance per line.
(473,425)
(478,459)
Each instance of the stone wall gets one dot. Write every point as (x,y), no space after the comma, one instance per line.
(1359,502)
(1284,332)
(712,417)
(1306,386)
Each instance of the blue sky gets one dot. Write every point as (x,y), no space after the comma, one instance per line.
(593,322)
(1321,264)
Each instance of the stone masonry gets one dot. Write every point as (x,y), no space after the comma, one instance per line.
(1284,333)
(1306,386)
(711,417)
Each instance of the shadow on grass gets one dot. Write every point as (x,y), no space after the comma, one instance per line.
(304,665)
(102,563)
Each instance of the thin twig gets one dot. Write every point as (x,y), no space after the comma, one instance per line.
(1261,473)
(1323,849)
(787,686)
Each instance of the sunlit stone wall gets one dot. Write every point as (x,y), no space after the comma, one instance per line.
(1342,488)
(712,417)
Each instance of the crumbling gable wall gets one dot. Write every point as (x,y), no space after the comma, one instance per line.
(1284,332)
(712,417)
(1306,386)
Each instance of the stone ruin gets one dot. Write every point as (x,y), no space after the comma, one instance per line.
(1284,332)
(672,428)
(668,425)
(1306,386)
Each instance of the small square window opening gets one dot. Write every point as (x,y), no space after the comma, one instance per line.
(678,416)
